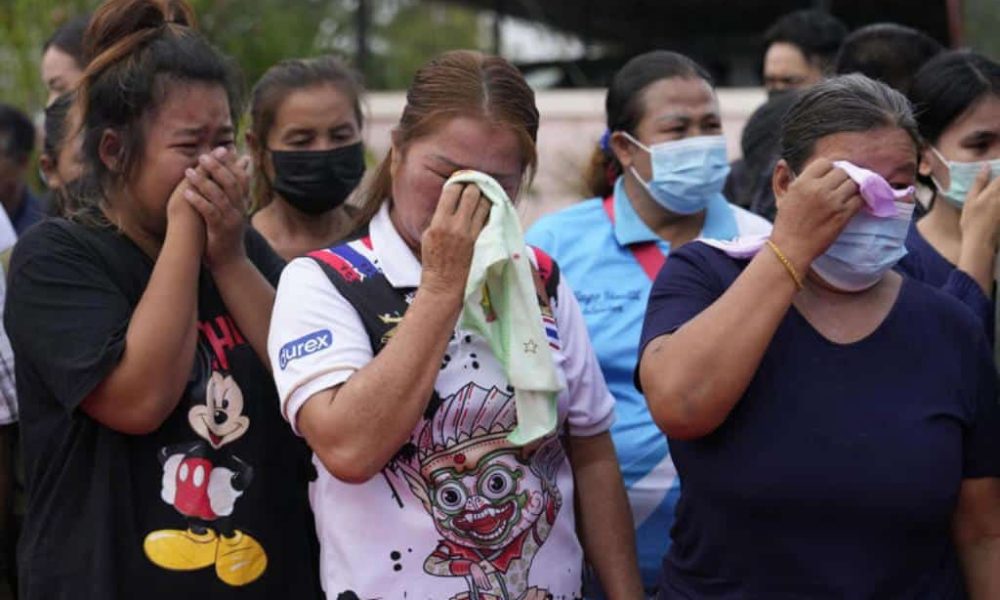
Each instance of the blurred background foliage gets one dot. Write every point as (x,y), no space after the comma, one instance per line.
(402,34)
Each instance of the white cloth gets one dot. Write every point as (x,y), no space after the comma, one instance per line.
(8,392)
(404,551)
(501,304)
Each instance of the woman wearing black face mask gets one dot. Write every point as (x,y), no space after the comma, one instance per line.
(306,142)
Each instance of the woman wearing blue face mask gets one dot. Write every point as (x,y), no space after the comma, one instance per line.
(834,423)
(305,138)
(956,97)
(657,180)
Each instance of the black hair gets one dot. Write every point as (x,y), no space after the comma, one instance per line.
(17,134)
(277,83)
(816,33)
(888,52)
(68,38)
(848,103)
(624,105)
(55,124)
(761,146)
(948,85)
(761,138)
(136,50)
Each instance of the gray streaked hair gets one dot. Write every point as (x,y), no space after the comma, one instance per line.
(845,104)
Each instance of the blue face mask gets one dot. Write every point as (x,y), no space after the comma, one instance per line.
(686,173)
(961,176)
(865,251)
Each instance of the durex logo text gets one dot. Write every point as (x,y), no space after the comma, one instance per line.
(304,346)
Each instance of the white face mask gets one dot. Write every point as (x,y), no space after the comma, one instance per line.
(961,176)
(865,250)
(687,173)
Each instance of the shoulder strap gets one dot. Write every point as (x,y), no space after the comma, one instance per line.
(647,254)
(363,284)
(548,273)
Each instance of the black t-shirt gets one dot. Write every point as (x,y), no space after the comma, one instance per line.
(213,504)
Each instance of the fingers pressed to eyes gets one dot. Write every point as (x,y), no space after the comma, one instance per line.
(448,202)
(221,174)
(817,168)
(481,215)
(853,204)
(835,177)
(845,189)
(206,186)
(242,167)
(205,207)
(471,197)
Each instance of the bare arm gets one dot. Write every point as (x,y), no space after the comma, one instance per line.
(693,378)
(977,536)
(146,385)
(355,429)
(726,341)
(249,296)
(604,519)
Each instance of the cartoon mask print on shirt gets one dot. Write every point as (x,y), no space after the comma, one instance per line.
(203,480)
(493,504)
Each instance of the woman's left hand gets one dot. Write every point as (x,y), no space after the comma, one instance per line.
(219,188)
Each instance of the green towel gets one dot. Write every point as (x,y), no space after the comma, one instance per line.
(501,305)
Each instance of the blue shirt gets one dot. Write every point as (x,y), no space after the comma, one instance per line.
(28,213)
(836,474)
(612,288)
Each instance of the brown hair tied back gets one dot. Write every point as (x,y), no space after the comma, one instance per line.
(276,85)
(135,48)
(455,84)
(625,108)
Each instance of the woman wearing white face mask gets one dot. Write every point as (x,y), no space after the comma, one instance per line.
(956,97)
(834,423)
(657,180)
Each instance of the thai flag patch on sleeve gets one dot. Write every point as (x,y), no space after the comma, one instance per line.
(551,331)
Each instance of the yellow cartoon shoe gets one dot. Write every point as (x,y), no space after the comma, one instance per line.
(241,559)
(180,550)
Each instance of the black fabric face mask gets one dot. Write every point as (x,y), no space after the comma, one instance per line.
(315,181)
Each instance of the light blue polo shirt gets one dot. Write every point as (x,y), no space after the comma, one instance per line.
(612,290)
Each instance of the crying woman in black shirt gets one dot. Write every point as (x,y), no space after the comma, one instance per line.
(157,463)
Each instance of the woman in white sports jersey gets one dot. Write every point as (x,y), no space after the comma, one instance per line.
(421,494)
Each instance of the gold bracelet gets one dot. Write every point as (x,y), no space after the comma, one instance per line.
(788,264)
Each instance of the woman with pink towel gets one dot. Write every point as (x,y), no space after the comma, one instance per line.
(835,425)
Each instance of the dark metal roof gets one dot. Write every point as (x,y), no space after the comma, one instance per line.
(723,35)
(643,23)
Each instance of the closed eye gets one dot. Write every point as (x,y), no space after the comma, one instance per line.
(300,141)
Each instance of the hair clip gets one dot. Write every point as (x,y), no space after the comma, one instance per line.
(605,142)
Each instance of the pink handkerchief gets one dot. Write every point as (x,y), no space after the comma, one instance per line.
(880,199)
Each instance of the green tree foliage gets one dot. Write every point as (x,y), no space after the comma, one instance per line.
(982,22)
(416,32)
(403,34)
(24,27)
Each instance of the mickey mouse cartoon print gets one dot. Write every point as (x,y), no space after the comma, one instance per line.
(202,480)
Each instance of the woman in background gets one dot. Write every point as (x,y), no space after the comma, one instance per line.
(305,138)
(657,182)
